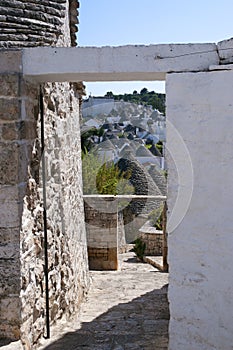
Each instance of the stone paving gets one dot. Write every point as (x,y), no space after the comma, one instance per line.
(125,310)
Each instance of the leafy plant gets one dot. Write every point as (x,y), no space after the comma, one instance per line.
(156,217)
(111,180)
(104,178)
(90,167)
(139,248)
(159,146)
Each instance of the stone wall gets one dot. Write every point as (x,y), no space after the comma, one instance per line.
(67,250)
(153,241)
(22,288)
(16,139)
(31,23)
(102,239)
(201,241)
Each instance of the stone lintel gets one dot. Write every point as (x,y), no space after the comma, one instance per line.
(123,63)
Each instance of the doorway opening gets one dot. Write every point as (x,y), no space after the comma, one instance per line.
(123,136)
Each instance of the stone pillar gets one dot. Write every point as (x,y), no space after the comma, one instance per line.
(101,226)
(17,131)
(200,239)
(22,280)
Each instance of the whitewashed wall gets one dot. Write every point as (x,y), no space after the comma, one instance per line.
(200,107)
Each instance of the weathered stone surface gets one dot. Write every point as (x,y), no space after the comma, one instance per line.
(67,254)
(9,85)
(8,132)
(225,51)
(124,63)
(10,214)
(125,309)
(9,317)
(23,23)
(9,270)
(153,241)
(18,130)
(9,109)
(101,226)
(9,155)
(10,235)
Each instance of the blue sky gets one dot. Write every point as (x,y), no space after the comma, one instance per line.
(122,22)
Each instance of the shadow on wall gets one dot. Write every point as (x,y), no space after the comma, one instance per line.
(139,324)
(4,342)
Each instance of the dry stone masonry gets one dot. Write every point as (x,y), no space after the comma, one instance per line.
(34,23)
(101,225)
(16,144)
(22,274)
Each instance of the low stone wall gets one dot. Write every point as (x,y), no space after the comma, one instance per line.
(154,242)
(101,226)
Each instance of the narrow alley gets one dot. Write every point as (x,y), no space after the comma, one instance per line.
(125,310)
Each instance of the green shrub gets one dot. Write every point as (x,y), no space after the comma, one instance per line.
(104,178)
(139,248)
(156,217)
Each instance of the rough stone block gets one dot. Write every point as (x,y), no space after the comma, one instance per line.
(28,89)
(9,214)
(18,130)
(14,162)
(9,271)
(8,193)
(9,251)
(10,235)
(10,61)
(9,85)
(102,258)
(10,309)
(10,331)
(10,317)
(225,50)
(8,132)
(9,155)
(9,109)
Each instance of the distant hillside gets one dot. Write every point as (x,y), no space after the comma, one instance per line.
(154,99)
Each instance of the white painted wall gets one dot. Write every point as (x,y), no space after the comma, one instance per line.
(200,107)
(122,63)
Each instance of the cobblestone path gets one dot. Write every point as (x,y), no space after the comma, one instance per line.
(125,310)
